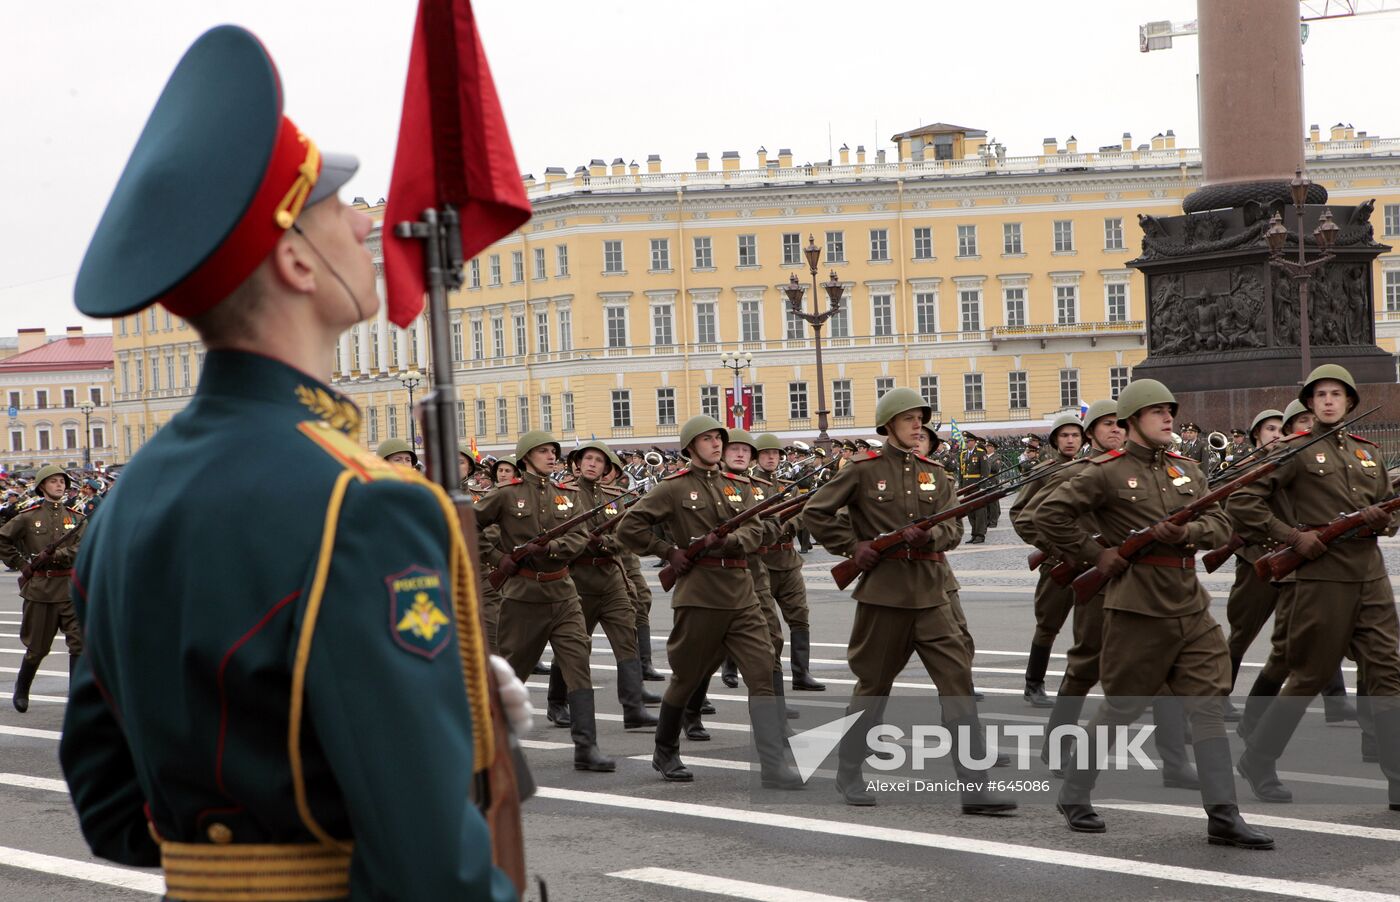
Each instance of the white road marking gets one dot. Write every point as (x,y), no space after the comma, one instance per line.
(30,733)
(723,886)
(52,673)
(1327,828)
(29,782)
(1196,877)
(83,870)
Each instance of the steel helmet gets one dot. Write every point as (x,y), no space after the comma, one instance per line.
(1142,393)
(933,440)
(1098,410)
(1259,419)
(768,442)
(395,446)
(1294,408)
(696,426)
(897,401)
(1330,371)
(534,439)
(466,452)
(741,437)
(1063,420)
(51,470)
(504,461)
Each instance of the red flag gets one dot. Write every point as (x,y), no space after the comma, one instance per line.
(453,149)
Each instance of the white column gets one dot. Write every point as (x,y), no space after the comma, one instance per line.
(364,347)
(382,319)
(422,340)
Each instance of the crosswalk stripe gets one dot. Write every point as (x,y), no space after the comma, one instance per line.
(29,782)
(1265,820)
(1196,877)
(76,869)
(724,886)
(50,673)
(30,733)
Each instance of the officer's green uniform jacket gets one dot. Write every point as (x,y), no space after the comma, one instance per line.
(28,533)
(692,503)
(198,619)
(974,466)
(886,492)
(522,510)
(605,578)
(1126,490)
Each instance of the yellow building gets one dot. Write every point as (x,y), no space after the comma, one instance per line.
(997,285)
(55,388)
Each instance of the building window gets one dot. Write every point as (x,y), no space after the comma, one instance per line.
(457,350)
(1017,390)
(841,398)
(705,322)
(498,336)
(45,443)
(127,430)
(972,391)
(621,408)
(795,328)
(1392,219)
(99,437)
(546,413)
(540,265)
(758,416)
(154,311)
(928,387)
(392,420)
(1011,238)
(542,332)
(155,372)
(748,250)
(923,243)
(70,437)
(495,269)
(517,267)
(1113,234)
(617,327)
(461,419)
(521,342)
(502,417)
(394,347)
(478,340)
(566,331)
(1069,389)
(661,332)
(522,405)
(970,309)
(1066,304)
(704,253)
(879,244)
(1064,236)
(883,386)
(1117,380)
(567,399)
(881,315)
(750,321)
(709,401)
(1116,301)
(374,346)
(797,400)
(41,398)
(185,369)
(925,312)
(121,323)
(792,248)
(666,407)
(967,241)
(660,255)
(612,256)
(475,274)
(841,321)
(1015,306)
(372,425)
(561,259)
(70,398)
(17,440)
(15,397)
(141,372)
(480,416)
(835,247)
(1392,291)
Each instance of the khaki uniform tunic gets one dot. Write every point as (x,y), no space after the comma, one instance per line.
(600,578)
(1053,602)
(784,565)
(47,606)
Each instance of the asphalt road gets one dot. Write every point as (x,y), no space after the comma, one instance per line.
(630,836)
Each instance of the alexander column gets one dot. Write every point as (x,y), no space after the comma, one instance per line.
(1219,316)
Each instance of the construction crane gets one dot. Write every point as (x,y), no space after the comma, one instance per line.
(1158,35)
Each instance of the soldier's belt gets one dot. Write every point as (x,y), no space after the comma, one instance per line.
(907,554)
(54,574)
(1168,561)
(301,872)
(603,561)
(541,576)
(724,563)
(782,546)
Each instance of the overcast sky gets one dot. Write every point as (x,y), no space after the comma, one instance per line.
(604,79)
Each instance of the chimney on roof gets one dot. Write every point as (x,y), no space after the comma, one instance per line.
(73,332)
(784,158)
(1071,144)
(1351,132)
(654,163)
(763,158)
(702,162)
(1159,141)
(1171,140)
(880,156)
(1050,146)
(554,174)
(845,155)
(860,154)
(1339,131)
(597,167)
(1127,140)
(29,339)
(729,160)
(1314,134)
(618,166)
(633,169)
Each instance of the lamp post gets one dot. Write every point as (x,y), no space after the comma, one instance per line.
(817,318)
(411,380)
(737,362)
(1302,270)
(86,409)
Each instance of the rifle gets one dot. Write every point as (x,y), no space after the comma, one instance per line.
(40,560)
(668,575)
(611,522)
(1278,564)
(846,571)
(1036,558)
(498,576)
(1088,583)
(991,482)
(1213,559)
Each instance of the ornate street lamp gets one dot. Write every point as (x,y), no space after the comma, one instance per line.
(737,363)
(817,318)
(86,409)
(411,380)
(1301,271)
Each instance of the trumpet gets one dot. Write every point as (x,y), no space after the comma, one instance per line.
(1217,441)
(653,459)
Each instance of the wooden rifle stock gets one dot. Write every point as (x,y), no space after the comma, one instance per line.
(1285,560)
(1214,558)
(1036,558)
(499,576)
(42,559)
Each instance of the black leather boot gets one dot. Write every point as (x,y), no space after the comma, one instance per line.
(1036,665)
(1224,825)
(802,663)
(649,673)
(1066,711)
(729,673)
(850,782)
(1261,696)
(790,712)
(700,700)
(690,717)
(1074,802)
(1170,737)
(540,669)
(1388,742)
(635,716)
(556,709)
(1336,707)
(976,797)
(767,721)
(666,759)
(25,679)
(1266,743)
(583,728)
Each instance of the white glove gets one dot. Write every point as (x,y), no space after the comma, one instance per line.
(514,697)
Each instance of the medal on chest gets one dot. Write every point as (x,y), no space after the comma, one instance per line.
(520,503)
(1132,482)
(1321,457)
(732,495)
(610,510)
(563,503)
(926,482)
(694,496)
(757,493)
(1178,476)
(880,486)
(1365,457)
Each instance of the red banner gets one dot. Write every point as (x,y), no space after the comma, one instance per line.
(744,409)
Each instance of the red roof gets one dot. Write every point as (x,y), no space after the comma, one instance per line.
(87,353)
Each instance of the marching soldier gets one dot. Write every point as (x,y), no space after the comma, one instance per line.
(973,467)
(239,724)
(1340,601)
(1237,449)
(1195,447)
(902,602)
(1053,602)
(785,570)
(46,605)
(466,469)
(1157,625)
(398,452)
(602,590)
(989,447)
(716,611)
